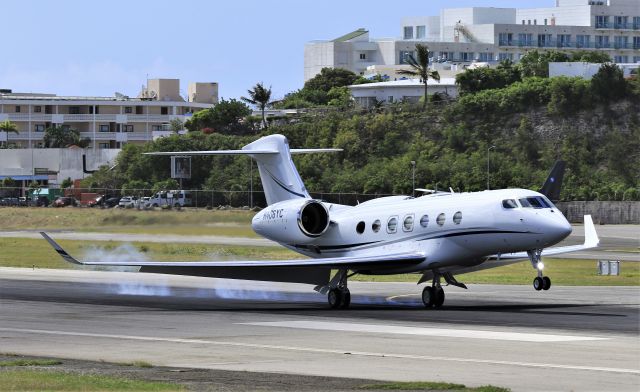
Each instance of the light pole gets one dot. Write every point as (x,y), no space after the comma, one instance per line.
(413,178)
(488,152)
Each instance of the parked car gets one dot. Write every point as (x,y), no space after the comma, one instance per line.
(128,202)
(98,201)
(39,201)
(9,201)
(64,201)
(111,202)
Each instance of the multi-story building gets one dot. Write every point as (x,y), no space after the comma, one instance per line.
(464,35)
(107,122)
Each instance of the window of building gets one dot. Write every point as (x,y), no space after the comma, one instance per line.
(407,224)
(636,59)
(602,21)
(421,32)
(392,225)
(363,56)
(620,59)
(564,40)
(424,221)
(103,145)
(48,109)
(408,32)
(37,109)
(128,110)
(505,56)
(17,109)
(39,128)
(390,99)
(104,127)
(457,218)
(156,128)
(440,219)
(582,41)
(602,41)
(620,42)
(74,109)
(525,39)
(486,57)
(505,39)
(127,128)
(620,22)
(636,22)
(139,109)
(404,55)
(164,110)
(544,40)
(636,44)
(375,226)
(545,22)
(360,227)
(466,56)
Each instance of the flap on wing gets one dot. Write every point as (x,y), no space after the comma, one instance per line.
(380,261)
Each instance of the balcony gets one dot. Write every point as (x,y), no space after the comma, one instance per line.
(618,26)
(103,118)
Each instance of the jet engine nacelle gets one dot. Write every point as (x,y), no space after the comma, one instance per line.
(293,221)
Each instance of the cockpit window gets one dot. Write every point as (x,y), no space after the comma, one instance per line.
(535,202)
(509,203)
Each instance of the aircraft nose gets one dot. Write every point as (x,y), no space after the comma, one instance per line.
(562,228)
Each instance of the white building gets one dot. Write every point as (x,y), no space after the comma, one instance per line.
(487,34)
(108,122)
(406,90)
(585,70)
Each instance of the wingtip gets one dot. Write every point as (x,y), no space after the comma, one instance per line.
(590,234)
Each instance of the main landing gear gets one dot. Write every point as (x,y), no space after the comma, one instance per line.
(433,296)
(540,282)
(339,296)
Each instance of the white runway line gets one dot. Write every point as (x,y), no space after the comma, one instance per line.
(440,332)
(324,351)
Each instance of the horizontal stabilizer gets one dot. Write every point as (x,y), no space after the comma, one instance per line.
(294,151)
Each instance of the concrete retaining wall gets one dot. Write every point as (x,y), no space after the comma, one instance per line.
(604,212)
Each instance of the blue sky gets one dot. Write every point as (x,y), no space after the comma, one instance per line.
(83,47)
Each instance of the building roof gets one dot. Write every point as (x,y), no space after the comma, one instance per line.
(351,35)
(405,83)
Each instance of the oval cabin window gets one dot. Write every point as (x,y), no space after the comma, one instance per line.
(392,225)
(424,221)
(375,226)
(440,220)
(457,218)
(407,225)
(360,227)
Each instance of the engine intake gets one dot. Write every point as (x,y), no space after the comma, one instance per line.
(313,219)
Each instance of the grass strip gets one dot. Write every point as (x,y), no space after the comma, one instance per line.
(35,380)
(430,386)
(30,362)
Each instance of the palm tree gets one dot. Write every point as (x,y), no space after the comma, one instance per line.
(8,127)
(259,96)
(420,68)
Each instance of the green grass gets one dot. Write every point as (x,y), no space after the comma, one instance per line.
(140,364)
(29,252)
(30,362)
(32,380)
(430,386)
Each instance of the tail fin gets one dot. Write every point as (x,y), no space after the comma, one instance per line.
(280,179)
(552,185)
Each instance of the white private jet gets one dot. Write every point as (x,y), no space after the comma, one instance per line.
(438,235)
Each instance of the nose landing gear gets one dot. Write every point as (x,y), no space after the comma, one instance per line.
(540,282)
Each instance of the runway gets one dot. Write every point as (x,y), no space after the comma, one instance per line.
(569,338)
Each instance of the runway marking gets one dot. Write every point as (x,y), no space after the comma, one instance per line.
(440,332)
(326,351)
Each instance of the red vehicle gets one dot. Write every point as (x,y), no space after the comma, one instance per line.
(64,201)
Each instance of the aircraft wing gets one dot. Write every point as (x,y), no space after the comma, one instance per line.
(591,240)
(376,261)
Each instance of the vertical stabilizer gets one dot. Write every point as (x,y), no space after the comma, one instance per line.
(552,185)
(280,179)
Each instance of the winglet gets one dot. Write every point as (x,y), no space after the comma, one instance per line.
(63,253)
(590,235)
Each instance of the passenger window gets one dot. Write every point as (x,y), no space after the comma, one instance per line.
(392,224)
(360,227)
(424,221)
(440,219)
(457,218)
(509,203)
(407,225)
(375,226)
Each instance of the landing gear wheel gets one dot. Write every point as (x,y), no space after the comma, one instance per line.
(428,296)
(546,283)
(346,298)
(439,300)
(335,298)
(538,283)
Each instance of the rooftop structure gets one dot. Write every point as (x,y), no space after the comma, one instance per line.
(487,34)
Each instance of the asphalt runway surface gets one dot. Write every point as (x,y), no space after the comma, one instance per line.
(568,338)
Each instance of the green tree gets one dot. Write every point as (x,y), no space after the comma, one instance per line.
(8,127)
(176,125)
(608,83)
(420,68)
(329,78)
(66,183)
(224,117)
(536,63)
(340,97)
(59,137)
(259,96)
(165,185)
(590,56)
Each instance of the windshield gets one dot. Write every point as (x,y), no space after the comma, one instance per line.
(535,202)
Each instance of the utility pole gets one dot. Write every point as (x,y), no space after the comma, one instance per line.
(488,167)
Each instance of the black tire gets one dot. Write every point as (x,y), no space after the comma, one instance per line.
(346,298)
(334,298)
(538,283)
(439,300)
(155,205)
(428,296)
(546,283)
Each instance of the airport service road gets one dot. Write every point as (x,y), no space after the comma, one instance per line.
(569,338)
